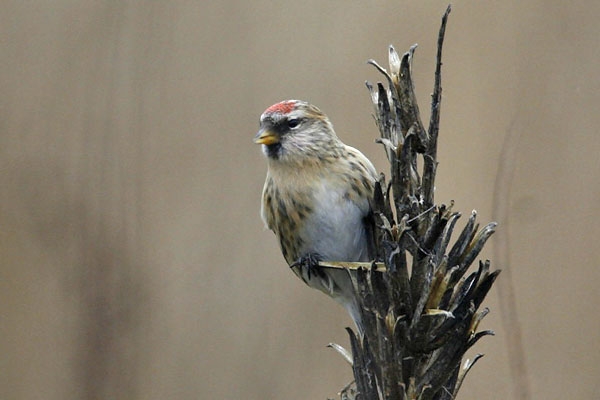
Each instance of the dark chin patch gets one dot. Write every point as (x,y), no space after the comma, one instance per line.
(274,150)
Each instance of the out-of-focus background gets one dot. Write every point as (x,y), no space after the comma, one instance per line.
(134,264)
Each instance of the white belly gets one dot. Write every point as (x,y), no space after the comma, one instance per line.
(335,230)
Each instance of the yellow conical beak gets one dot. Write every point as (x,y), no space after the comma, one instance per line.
(265,136)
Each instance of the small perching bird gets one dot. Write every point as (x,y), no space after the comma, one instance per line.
(316,197)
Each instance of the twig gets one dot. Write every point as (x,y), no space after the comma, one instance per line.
(418,303)
(506,293)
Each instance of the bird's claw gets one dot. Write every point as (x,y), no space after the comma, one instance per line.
(308,263)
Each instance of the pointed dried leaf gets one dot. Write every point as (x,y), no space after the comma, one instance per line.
(345,353)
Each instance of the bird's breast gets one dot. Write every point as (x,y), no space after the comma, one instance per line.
(321,214)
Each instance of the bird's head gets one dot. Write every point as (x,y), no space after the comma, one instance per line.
(295,131)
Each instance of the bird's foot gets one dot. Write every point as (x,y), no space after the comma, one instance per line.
(309,264)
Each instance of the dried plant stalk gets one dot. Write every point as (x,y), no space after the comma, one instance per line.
(419,305)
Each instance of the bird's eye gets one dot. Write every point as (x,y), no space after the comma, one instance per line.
(293,123)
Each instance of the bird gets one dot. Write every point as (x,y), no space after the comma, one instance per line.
(316,197)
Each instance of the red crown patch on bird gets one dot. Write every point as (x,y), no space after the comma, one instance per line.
(284,107)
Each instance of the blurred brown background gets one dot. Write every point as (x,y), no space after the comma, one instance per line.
(134,264)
